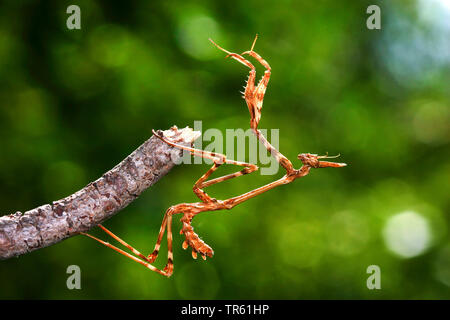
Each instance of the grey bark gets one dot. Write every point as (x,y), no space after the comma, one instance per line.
(21,233)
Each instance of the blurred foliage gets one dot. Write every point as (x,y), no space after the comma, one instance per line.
(76,102)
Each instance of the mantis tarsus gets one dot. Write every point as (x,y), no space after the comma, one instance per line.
(253,96)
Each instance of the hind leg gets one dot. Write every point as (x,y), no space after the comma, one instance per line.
(143,261)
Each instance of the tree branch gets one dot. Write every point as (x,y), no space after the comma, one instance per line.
(46,225)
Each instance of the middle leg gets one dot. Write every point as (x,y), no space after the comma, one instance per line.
(218,159)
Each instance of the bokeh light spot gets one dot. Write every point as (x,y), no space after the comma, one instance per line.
(407,234)
(417,54)
(193,34)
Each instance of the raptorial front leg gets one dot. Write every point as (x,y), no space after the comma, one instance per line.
(249,91)
(255,96)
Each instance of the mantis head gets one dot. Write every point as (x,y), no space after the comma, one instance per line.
(312,160)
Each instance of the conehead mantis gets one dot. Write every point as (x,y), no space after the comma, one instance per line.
(254,96)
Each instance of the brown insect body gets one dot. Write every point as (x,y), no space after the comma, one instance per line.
(253,96)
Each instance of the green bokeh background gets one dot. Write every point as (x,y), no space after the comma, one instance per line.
(74,103)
